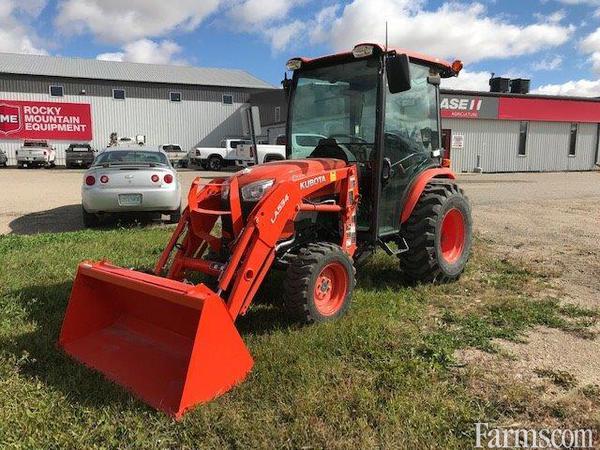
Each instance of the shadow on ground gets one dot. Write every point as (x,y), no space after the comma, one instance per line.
(68,218)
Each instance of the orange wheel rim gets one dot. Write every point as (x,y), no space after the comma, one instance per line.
(453,236)
(331,289)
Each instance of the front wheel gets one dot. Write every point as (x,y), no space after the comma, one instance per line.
(319,283)
(439,234)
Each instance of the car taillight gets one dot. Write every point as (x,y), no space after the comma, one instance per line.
(45,153)
(252,151)
(155,178)
(16,152)
(168,178)
(90,180)
(103,179)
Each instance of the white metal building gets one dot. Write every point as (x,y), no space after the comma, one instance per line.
(500,132)
(66,100)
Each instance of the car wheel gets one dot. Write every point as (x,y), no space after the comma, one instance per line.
(175,216)
(90,220)
(215,163)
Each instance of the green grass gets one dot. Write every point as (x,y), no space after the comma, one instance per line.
(381,377)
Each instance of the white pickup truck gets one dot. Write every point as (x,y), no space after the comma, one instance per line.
(215,158)
(266,153)
(36,153)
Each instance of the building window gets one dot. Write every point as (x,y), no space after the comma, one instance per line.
(573,139)
(227,99)
(277,114)
(523,138)
(175,96)
(56,91)
(119,94)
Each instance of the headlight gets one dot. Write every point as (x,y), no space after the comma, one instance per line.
(254,191)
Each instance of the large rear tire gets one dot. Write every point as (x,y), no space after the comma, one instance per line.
(319,282)
(439,234)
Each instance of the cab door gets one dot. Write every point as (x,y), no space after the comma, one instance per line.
(411,132)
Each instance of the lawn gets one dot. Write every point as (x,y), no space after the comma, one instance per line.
(383,376)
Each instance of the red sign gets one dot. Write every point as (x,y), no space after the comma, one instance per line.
(45,120)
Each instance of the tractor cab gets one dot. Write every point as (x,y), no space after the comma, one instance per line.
(374,108)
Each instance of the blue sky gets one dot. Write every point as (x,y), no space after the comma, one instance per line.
(556,43)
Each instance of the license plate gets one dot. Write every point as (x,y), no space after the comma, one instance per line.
(130,199)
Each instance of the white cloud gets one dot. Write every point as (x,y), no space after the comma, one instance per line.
(15,35)
(280,36)
(146,51)
(550,63)
(578,88)
(255,12)
(118,21)
(468,81)
(591,46)
(320,26)
(453,30)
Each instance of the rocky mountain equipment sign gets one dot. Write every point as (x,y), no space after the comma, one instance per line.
(45,120)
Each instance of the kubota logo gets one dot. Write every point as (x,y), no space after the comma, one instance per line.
(279,208)
(311,182)
(10,119)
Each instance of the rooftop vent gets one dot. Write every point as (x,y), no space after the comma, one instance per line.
(520,86)
(499,84)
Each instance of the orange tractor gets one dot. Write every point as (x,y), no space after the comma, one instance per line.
(364,171)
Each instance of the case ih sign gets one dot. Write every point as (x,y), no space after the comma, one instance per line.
(468,107)
(45,120)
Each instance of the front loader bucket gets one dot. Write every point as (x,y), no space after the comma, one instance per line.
(172,344)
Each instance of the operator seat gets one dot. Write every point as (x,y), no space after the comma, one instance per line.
(329,148)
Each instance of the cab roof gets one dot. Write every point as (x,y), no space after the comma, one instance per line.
(444,66)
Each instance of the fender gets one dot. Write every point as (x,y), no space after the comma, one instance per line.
(417,188)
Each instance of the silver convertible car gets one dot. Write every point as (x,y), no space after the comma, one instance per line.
(126,180)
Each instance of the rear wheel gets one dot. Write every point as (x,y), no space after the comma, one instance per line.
(319,283)
(215,163)
(439,234)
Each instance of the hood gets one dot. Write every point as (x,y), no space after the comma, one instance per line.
(287,170)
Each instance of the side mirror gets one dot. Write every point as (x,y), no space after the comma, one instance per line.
(398,73)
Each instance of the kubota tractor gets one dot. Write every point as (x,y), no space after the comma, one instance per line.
(364,170)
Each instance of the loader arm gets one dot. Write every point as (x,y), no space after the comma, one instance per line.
(254,245)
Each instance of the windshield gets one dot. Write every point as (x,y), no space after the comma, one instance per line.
(131,157)
(336,102)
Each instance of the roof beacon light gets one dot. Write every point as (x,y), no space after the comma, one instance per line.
(457,66)
(293,64)
(362,50)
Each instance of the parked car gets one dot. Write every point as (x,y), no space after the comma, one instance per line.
(177,156)
(3,158)
(35,154)
(215,158)
(130,179)
(79,155)
(266,153)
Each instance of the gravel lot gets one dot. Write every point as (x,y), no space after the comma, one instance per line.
(43,201)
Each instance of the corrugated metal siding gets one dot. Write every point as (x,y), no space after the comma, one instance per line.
(188,123)
(497,142)
(585,152)
(101,88)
